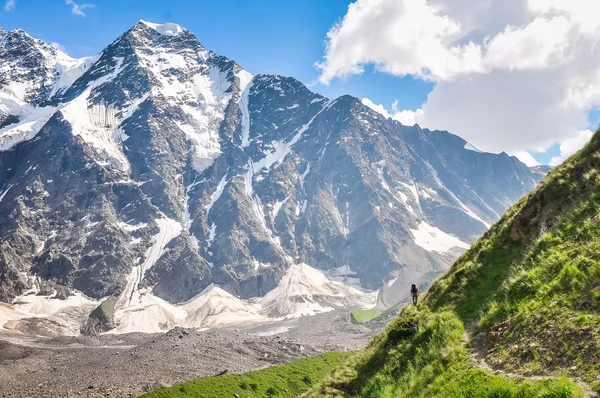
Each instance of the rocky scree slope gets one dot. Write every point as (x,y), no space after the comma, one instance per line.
(516,315)
(161,167)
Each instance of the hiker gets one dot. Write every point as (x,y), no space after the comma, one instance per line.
(414,292)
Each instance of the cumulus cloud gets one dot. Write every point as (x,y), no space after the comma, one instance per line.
(505,111)
(377,108)
(10,5)
(77,9)
(510,75)
(571,145)
(407,118)
(400,37)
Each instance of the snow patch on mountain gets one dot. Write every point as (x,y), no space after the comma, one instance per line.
(204,119)
(133,305)
(202,96)
(166,29)
(69,70)
(277,207)
(31,121)
(216,195)
(130,228)
(150,314)
(307,291)
(460,204)
(260,216)
(97,123)
(345,275)
(245,86)
(212,233)
(55,72)
(280,149)
(63,314)
(215,307)
(42,306)
(187,220)
(470,147)
(303,291)
(434,239)
(467,210)
(4,192)
(245,79)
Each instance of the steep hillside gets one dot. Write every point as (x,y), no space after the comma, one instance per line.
(517,314)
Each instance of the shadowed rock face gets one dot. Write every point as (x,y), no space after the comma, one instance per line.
(259,172)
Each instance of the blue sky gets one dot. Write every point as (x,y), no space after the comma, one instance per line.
(264,36)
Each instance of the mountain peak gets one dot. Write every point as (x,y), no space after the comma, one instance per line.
(166,29)
(17,33)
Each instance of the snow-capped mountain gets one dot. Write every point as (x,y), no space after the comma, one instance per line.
(139,178)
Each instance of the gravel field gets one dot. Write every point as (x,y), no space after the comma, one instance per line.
(128,365)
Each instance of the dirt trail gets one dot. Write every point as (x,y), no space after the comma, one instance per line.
(475,346)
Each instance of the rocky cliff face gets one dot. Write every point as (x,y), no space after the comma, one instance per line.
(159,166)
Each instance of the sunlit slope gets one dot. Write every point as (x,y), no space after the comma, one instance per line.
(284,381)
(516,315)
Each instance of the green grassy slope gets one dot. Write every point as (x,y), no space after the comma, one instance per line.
(288,380)
(518,315)
(361,316)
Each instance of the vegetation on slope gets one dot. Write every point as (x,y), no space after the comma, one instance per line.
(361,316)
(528,292)
(288,380)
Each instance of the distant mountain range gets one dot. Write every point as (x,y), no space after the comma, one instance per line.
(138,178)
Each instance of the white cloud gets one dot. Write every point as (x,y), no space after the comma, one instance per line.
(526,158)
(77,9)
(407,118)
(400,37)
(572,145)
(505,111)
(377,108)
(511,75)
(538,45)
(59,46)
(415,37)
(581,12)
(10,5)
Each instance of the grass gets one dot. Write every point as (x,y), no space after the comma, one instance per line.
(421,355)
(361,316)
(287,380)
(542,293)
(533,279)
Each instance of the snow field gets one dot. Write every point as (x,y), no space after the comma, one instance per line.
(434,239)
